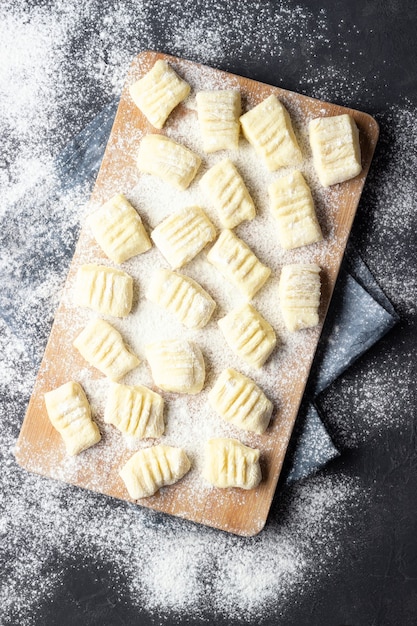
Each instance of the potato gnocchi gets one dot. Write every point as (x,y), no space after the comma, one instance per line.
(176,365)
(159,92)
(135,410)
(229,463)
(102,346)
(336,151)
(181,236)
(268,129)
(225,188)
(293,207)
(104,289)
(152,468)
(239,400)
(218,116)
(171,161)
(299,294)
(238,264)
(70,414)
(248,334)
(182,296)
(118,229)
(182,362)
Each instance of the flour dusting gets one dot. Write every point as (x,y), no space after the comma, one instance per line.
(60,64)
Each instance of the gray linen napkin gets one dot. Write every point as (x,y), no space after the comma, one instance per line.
(37,241)
(359,315)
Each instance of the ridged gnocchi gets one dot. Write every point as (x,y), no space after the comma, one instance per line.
(248,334)
(299,295)
(152,468)
(293,207)
(336,150)
(177,365)
(238,264)
(158,92)
(229,463)
(225,188)
(182,235)
(218,116)
(239,400)
(104,289)
(135,410)
(268,129)
(118,229)
(171,161)
(182,296)
(102,346)
(70,414)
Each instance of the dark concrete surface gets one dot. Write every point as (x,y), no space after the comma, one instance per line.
(372,45)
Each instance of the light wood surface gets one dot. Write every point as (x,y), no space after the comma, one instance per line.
(40,448)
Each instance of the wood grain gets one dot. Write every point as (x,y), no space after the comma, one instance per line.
(40,448)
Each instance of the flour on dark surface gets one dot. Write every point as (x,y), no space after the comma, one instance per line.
(52,82)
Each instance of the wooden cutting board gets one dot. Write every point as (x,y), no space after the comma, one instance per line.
(40,448)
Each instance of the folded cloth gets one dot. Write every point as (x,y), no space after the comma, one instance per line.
(358,316)
(37,241)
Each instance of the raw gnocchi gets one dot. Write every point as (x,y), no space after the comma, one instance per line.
(229,463)
(336,151)
(238,264)
(102,346)
(104,289)
(182,235)
(159,92)
(135,410)
(70,414)
(299,294)
(182,296)
(248,334)
(171,161)
(239,400)
(118,229)
(152,468)
(293,207)
(268,129)
(225,188)
(176,365)
(218,116)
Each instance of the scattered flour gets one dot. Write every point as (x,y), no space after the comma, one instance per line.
(49,78)
(165,564)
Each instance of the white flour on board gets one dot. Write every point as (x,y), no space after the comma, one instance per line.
(169,565)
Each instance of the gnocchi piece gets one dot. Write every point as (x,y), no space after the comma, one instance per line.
(238,264)
(172,162)
(104,289)
(239,400)
(248,334)
(225,187)
(70,414)
(299,293)
(182,296)
(152,468)
(268,129)
(293,207)
(229,463)
(177,365)
(182,235)
(335,146)
(218,116)
(102,346)
(135,410)
(159,92)
(118,229)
